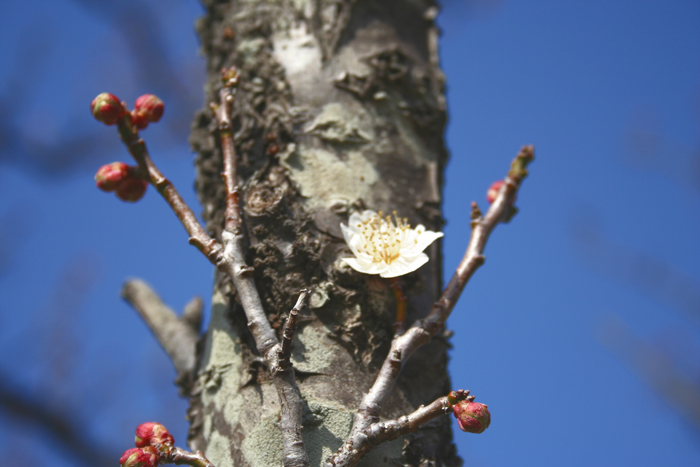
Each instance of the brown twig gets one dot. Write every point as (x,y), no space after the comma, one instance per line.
(403,346)
(362,441)
(137,148)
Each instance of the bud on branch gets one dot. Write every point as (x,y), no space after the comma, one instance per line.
(472,417)
(147,109)
(107,108)
(124,180)
(140,457)
(153,434)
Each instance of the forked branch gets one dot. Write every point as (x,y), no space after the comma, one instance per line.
(177,335)
(229,257)
(233,262)
(362,441)
(403,345)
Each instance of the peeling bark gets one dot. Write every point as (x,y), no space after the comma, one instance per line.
(340,107)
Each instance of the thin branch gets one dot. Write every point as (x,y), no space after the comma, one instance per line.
(679,388)
(233,258)
(137,148)
(224,113)
(233,263)
(403,346)
(363,441)
(176,335)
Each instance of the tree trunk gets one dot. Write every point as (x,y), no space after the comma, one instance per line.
(340,107)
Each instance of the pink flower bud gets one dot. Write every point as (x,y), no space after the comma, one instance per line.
(132,188)
(110,176)
(152,433)
(140,457)
(472,417)
(147,109)
(107,108)
(493,191)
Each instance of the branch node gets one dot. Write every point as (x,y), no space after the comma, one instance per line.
(476,213)
(290,329)
(246,271)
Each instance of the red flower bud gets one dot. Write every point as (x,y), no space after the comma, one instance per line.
(150,433)
(132,188)
(472,417)
(107,108)
(138,120)
(110,176)
(147,109)
(140,457)
(493,191)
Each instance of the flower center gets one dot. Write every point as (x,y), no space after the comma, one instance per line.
(381,238)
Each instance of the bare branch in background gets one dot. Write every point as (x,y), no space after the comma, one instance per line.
(53,407)
(192,313)
(15,226)
(681,390)
(66,431)
(177,336)
(61,346)
(646,147)
(645,273)
(140,27)
(16,146)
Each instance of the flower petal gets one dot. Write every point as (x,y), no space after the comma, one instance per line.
(364,266)
(402,265)
(359,218)
(424,239)
(348,234)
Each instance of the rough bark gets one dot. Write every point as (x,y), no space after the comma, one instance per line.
(340,107)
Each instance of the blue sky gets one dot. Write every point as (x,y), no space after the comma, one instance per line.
(603,254)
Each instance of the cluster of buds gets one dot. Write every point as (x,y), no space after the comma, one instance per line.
(108,109)
(152,440)
(124,180)
(472,417)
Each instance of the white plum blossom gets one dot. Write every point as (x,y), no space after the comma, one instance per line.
(384,248)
